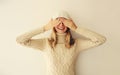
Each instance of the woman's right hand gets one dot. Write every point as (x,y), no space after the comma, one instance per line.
(51,24)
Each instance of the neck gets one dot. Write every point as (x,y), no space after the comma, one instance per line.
(61,37)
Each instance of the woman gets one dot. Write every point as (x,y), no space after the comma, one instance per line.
(61,49)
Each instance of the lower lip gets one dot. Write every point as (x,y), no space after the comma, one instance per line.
(61,29)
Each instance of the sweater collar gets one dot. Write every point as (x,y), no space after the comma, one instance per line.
(61,38)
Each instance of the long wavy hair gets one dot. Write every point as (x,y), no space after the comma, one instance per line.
(69,40)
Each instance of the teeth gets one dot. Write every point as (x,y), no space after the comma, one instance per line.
(61,28)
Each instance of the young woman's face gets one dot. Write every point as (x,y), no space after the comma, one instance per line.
(61,28)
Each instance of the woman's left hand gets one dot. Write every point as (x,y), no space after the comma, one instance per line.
(69,23)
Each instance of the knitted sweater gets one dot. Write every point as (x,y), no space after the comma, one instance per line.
(61,60)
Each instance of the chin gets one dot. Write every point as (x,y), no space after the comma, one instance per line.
(59,31)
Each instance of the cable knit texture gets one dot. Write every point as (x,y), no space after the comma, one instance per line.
(61,60)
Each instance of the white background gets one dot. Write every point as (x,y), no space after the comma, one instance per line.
(19,16)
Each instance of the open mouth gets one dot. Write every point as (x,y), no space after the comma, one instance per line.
(61,28)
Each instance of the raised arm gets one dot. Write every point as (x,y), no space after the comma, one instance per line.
(26,38)
(91,38)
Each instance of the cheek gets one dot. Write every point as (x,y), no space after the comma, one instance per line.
(56,29)
(65,29)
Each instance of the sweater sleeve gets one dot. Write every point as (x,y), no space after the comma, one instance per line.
(26,39)
(91,39)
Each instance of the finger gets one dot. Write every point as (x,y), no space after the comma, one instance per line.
(65,21)
(56,22)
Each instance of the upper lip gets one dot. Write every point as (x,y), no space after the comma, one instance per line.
(61,28)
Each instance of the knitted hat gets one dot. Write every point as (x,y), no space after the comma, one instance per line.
(61,14)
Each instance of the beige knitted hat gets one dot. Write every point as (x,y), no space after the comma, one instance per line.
(61,14)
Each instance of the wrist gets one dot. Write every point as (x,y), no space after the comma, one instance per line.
(45,28)
(74,27)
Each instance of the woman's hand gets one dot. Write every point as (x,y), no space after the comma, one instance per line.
(51,24)
(70,24)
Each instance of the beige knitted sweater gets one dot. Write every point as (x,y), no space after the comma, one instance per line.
(61,61)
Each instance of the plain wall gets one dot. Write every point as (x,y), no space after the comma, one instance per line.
(19,16)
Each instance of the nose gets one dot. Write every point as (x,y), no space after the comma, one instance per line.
(61,25)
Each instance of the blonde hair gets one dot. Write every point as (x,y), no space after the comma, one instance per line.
(69,41)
